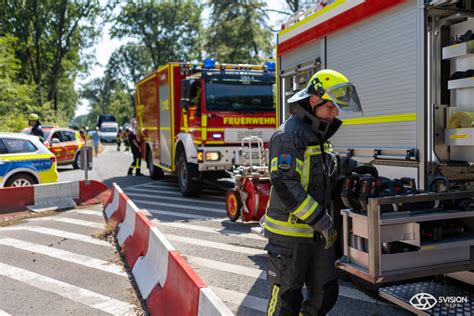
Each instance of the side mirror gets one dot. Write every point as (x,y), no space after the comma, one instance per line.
(55,141)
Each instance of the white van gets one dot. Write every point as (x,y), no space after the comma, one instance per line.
(108,132)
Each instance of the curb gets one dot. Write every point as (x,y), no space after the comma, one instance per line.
(21,198)
(165,280)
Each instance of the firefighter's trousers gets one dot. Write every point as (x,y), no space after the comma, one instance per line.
(136,164)
(293,265)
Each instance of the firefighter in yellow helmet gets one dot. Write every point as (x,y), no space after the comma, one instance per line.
(303,171)
(36,129)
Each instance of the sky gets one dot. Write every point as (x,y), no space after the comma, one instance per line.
(106,46)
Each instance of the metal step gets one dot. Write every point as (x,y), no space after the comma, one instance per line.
(431,298)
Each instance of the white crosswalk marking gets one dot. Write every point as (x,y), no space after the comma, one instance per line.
(87,212)
(70,221)
(130,191)
(69,291)
(189,207)
(63,255)
(227,267)
(183,215)
(240,299)
(216,245)
(221,204)
(3,313)
(220,231)
(59,233)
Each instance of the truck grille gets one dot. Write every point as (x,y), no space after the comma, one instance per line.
(233,135)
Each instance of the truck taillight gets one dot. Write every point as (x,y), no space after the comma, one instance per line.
(53,159)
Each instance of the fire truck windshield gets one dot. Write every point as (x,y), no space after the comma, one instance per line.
(240,93)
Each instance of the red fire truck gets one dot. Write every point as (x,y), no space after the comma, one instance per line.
(191,118)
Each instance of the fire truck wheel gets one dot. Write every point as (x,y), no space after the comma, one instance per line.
(186,172)
(156,173)
(233,204)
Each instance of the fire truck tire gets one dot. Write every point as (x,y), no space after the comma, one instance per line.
(156,173)
(233,204)
(186,172)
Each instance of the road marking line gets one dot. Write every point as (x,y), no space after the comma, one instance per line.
(240,299)
(58,233)
(216,245)
(74,293)
(87,212)
(64,255)
(152,211)
(174,190)
(190,207)
(147,184)
(183,215)
(182,199)
(220,231)
(69,221)
(219,203)
(204,190)
(227,267)
(3,313)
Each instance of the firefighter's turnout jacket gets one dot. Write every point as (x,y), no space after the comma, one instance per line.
(303,171)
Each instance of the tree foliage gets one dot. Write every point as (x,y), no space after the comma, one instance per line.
(238,31)
(128,64)
(169,30)
(16,98)
(51,35)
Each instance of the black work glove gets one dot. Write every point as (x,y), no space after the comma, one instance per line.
(325,227)
(347,165)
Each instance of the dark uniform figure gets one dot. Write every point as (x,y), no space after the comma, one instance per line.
(304,170)
(137,160)
(36,129)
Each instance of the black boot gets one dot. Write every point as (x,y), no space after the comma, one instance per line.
(130,172)
(138,173)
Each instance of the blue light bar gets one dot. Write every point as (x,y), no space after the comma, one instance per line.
(270,65)
(209,63)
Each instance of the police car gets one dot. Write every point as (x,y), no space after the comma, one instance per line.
(24,160)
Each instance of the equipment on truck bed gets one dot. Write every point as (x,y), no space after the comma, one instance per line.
(250,195)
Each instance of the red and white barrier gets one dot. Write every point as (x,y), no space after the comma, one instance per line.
(165,280)
(20,198)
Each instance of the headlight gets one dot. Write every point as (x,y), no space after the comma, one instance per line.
(213,155)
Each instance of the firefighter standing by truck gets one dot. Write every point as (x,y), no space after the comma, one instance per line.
(304,170)
(137,160)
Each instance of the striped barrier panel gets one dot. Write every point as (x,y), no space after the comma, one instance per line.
(165,280)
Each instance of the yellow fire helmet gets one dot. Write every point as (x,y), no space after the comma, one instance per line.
(332,86)
(33,117)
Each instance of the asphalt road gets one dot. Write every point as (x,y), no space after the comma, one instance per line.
(226,255)
(53,266)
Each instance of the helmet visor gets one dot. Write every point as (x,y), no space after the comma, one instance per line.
(345,97)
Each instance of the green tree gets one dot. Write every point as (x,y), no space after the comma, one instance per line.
(51,36)
(169,30)
(127,65)
(16,98)
(238,31)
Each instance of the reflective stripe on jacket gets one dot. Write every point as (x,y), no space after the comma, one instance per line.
(303,171)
